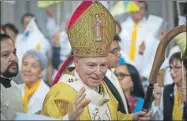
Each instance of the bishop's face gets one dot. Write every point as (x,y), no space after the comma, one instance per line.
(91,70)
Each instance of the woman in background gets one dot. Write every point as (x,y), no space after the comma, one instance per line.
(169,101)
(129,79)
(34,89)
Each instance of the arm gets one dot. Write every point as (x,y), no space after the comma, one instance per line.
(61,105)
(56,103)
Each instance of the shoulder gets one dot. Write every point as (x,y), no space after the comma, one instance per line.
(169,86)
(62,91)
(16,86)
(21,86)
(153,17)
(45,86)
(168,89)
(42,90)
(59,95)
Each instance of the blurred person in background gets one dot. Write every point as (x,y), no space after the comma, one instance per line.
(11,30)
(32,38)
(130,82)
(110,78)
(168,103)
(34,89)
(139,42)
(61,47)
(10,93)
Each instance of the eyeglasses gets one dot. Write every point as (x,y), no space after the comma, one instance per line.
(174,68)
(115,50)
(121,76)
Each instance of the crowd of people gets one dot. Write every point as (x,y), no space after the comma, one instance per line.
(98,69)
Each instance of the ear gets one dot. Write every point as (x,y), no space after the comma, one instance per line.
(131,82)
(76,61)
(40,75)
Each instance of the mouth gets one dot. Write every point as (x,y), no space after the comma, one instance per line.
(27,75)
(174,78)
(13,67)
(95,80)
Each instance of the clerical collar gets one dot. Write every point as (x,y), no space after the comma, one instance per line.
(5,81)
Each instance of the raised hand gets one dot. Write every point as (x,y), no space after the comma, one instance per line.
(78,105)
(142,48)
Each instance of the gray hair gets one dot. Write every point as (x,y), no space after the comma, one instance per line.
(41,58)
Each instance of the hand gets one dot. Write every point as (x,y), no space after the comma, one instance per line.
(157,93)
(56,39)
(142,48)
(146,117)
(163,34)
(142,116)
(78,105)
(137,115)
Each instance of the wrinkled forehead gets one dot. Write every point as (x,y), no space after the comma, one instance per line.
(30,57)
(97,60)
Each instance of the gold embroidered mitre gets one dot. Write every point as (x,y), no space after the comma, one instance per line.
(91,30)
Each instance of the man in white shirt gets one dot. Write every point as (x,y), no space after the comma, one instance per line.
(10,94)
(136,34)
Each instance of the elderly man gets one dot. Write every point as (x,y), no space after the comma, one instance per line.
(10,94)
(81,93)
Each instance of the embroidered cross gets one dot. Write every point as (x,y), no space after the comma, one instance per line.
(70,80)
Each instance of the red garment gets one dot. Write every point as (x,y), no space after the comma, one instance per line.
(82,7)
(132,103)
(62,68)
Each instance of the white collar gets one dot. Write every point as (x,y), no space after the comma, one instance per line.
(91,94)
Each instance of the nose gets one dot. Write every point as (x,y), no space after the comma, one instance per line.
(118,54)
(26,68)
(172,72)
(13,58)
(98,71)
